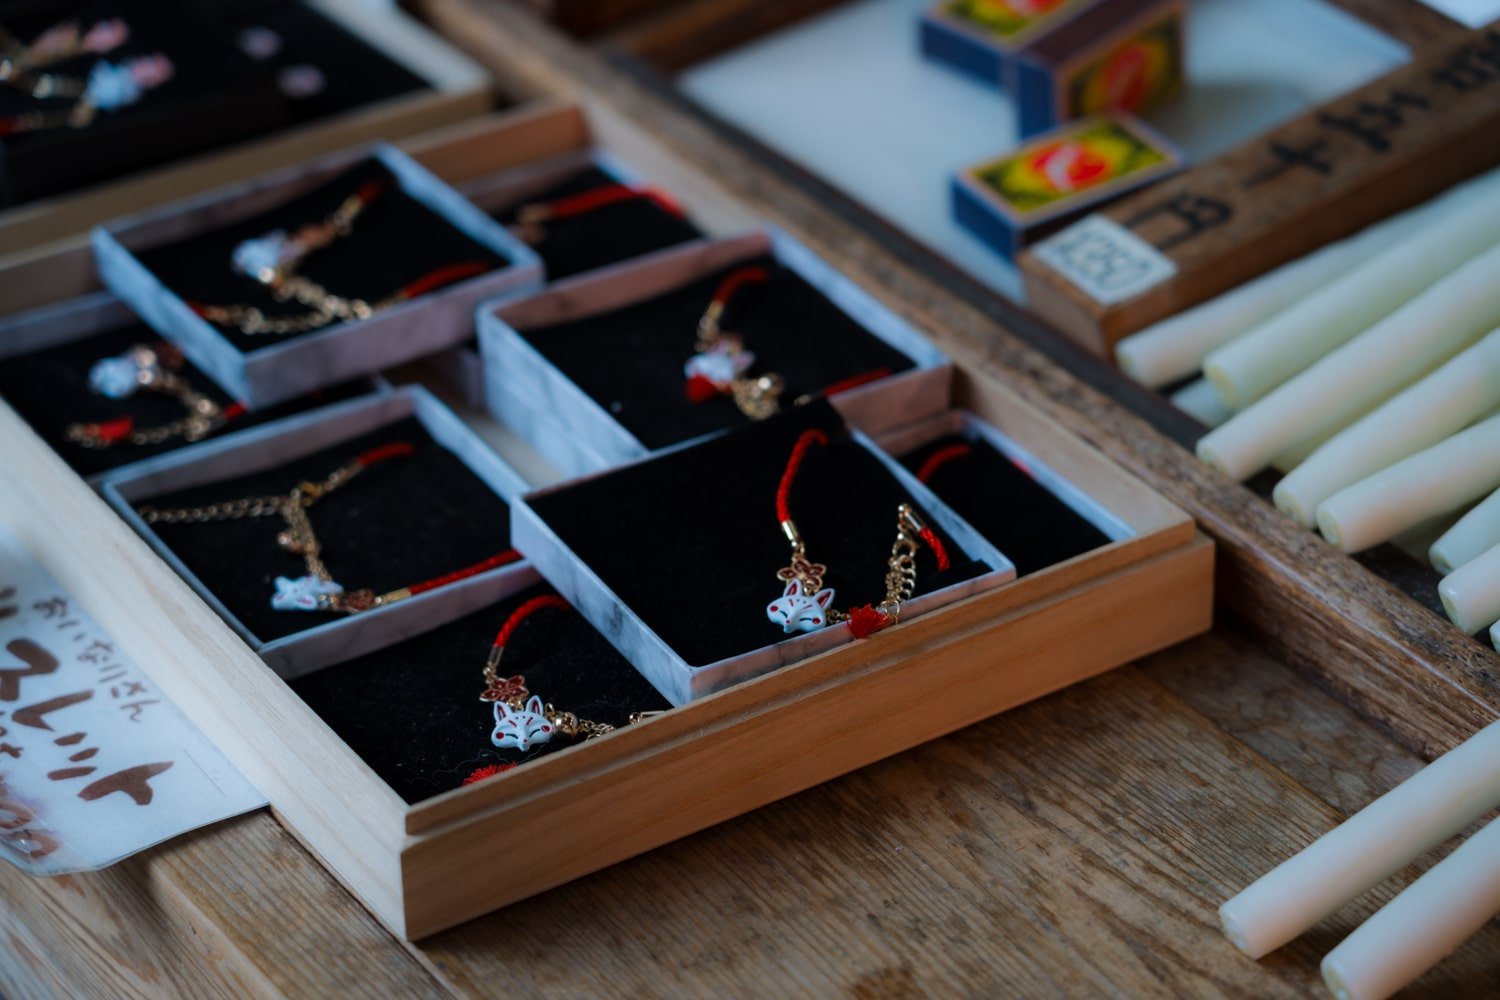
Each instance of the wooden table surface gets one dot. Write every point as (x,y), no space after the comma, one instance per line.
(1077,846)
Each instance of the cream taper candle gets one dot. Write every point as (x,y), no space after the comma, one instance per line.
(1476,532)
(1398,350)
(1471,593)
(1174,348)
(1465,222)
(1201,401)
(1379,840)
(1445,402)
(1440,479)
(1421,926)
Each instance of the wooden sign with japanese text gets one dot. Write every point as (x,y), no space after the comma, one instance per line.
(1326,174)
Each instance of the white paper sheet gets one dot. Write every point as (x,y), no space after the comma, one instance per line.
(95,763)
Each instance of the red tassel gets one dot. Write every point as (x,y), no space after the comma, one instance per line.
(700,389)
(864,621)
(114,431)
(489,771)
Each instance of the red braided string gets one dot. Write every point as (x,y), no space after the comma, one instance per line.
(447,275)
(751,274)
(525,611)
(368,192)
(793,464)
(940,458)
(396,449)
(233,411)
(500,559)
(936,545)
(604,196)
(855,381)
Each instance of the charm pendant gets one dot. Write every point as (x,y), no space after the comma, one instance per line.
(303,593)
(263,257)
(521,728)
(795,611)
(713,372)
(119,377)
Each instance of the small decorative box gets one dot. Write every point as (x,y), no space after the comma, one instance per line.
(1121,56)
(443,508)
(418,254)
(680,573)
(592,371)
(1013,199)
(1063,59)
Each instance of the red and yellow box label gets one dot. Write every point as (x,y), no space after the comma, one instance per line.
(1008,21)
(1130,74)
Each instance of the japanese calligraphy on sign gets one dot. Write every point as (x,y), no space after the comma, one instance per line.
(95,763)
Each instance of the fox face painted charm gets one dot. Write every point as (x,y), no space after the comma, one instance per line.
(303,593)
(521,727)
(795,611)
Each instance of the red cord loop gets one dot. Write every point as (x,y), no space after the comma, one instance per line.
(500,559)
(940,458)
(396,449)
(793,464)
(525,611)
(752,274)
(443,276)
(938,549)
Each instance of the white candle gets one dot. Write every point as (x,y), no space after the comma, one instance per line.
(1174,348)
(1398,350)
(1475,532)
(1440,479)
(1464,389)
(1461,224)
(1421,926)
(1379,840)
(1202,401)
(1471,593)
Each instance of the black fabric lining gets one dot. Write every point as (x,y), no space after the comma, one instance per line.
(396,240)
(631,360)
(49,388)
(412,710)
(1020,516)
(398,523)
(690,542)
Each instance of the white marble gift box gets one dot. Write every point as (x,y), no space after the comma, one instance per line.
(967,425)
(462,366)
(579,435)
(292,366)
(681,682)
(276,443)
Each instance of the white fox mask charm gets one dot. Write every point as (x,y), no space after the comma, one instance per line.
(795,611)
(521,727)
(303,593)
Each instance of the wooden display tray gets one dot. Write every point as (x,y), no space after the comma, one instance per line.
(1364,629)
(459,89)
(425,867)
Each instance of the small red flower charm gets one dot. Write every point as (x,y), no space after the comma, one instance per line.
(506,689)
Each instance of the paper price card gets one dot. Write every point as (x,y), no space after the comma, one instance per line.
(95,763)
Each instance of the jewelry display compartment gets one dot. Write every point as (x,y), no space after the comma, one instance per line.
(426,866)
(591,371)
(328,74)
(47,357)
(709,517)
(435,509)
(395,262)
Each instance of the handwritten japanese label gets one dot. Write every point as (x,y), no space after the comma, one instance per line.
(1105,259)
(95,763)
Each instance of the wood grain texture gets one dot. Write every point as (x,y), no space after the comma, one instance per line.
(1394,661)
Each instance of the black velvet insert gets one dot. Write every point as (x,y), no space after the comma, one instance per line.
(1004,503)
(604,235)
(50,390)
(398,523)
(630,360)
(412,710)
(396,240)
(690,541)
(217,95)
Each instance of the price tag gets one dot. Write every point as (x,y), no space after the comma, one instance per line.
(95,763)
(1106,260)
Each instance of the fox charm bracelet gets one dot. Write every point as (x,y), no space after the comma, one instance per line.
(805,605)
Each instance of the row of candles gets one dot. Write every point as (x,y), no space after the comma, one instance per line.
(1368,374)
